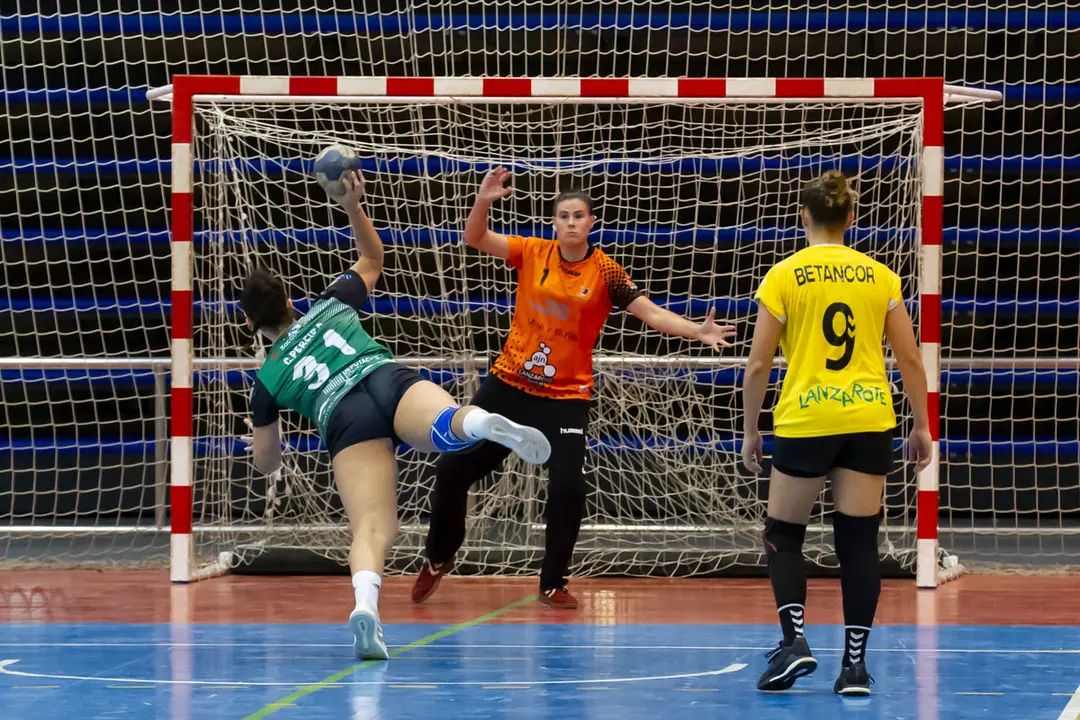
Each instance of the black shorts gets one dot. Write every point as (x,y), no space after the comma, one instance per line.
(811,457)
(367,411)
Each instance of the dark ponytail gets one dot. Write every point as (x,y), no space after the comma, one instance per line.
(264,301)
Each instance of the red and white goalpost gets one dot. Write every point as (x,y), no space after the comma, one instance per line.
(697,181)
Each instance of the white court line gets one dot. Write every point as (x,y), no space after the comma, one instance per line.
(5,669)
(1072,710)
(708,648)
(748,648)
(177,644)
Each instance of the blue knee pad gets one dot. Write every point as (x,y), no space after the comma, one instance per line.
(443,437)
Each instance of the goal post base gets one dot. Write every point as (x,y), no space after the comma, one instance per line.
(526,563)
(504,549)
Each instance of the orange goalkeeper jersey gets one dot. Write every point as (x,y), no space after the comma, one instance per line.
(559,311)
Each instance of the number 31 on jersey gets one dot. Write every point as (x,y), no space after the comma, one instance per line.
(308,367)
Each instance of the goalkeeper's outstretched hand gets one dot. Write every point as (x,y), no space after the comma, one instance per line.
(713,335)
(495,186)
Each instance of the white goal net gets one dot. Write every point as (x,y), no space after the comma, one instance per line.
(85,317)
(696,200)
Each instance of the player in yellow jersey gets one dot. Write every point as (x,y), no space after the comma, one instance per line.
(828,306)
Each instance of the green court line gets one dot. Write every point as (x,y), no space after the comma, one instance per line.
(289,700)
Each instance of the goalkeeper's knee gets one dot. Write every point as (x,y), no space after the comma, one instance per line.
(442,433)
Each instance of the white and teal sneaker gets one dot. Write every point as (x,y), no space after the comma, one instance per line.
(528,443)
(367,635)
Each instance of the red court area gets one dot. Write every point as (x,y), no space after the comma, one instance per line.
(146,596)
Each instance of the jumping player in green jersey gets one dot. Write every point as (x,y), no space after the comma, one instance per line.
(828,307)
(328,369)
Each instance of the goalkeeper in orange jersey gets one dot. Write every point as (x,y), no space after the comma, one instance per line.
(566,289)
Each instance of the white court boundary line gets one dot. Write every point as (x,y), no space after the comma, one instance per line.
(740,648)
(747,648)
(5,669)
(1072,710)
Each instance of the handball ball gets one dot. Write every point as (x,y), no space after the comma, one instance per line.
(331,164)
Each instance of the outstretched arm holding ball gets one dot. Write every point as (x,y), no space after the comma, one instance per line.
(326,367)
(370,247)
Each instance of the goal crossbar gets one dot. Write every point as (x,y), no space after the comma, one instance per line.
(461,89)
(187,90)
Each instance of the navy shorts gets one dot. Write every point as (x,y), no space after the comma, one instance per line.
(367,411)
(811,457)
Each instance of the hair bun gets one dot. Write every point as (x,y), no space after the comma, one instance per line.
(836,187)
(829,198)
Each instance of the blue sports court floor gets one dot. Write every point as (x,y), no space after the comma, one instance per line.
(521,661)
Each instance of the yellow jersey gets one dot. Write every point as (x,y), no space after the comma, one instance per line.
(832,301)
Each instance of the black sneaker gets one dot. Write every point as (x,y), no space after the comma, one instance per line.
(853,680)
(786,665)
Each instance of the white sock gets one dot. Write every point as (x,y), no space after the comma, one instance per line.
(366,586)
(473,423)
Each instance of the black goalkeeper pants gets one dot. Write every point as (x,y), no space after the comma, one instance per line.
(564,423)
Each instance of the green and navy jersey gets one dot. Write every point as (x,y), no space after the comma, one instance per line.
(320,358)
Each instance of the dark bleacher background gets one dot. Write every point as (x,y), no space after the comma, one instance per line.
(84,197)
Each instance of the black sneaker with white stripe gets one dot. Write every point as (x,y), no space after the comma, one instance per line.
(787,663)
(854,680)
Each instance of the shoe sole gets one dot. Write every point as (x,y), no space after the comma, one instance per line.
(430,591)
(800,668)
(855,691)
(447,567)
(527,443)
(366,644)
(555,606)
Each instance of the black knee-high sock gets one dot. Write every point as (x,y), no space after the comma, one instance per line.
(454,475)
(783,550)
(565,506)
(860,579)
